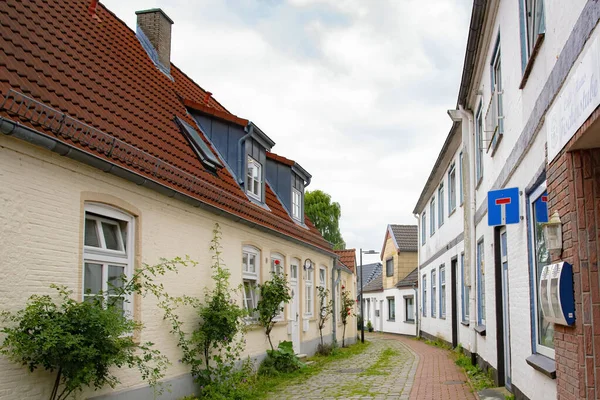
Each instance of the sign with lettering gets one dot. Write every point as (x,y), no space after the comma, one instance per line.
(503,207)
(578,98)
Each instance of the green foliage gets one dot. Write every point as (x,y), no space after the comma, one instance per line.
(369,326)
(325,310)
(282,360)
(325,349)
(384,361)
(479,379)
(81,341)
(214,347)
(346,311)
(325,215)
(273,294)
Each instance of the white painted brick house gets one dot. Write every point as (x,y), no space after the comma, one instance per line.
(518,55)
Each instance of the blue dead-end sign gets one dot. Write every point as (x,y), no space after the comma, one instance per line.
(503,207)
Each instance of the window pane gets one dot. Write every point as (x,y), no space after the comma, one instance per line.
(92,278)
(245,262)
(115,274)
(118,303)
(111,236)
(91,233)
(294,271)
(252,263)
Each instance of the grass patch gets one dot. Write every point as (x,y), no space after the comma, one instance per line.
(479,379)
(261,386)
(383,362)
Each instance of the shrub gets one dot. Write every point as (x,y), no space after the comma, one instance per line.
(325,309)
(282,360)
(346,310)
(369,326)
(359,322)
(81,341)
(273,294)
(324,349)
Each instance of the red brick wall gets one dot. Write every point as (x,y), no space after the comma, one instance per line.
(574,191)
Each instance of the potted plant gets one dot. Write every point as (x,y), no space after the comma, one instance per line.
(369,326)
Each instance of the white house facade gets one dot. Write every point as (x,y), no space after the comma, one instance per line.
(480,261)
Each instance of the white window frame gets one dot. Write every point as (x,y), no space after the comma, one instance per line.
(105,257)
(432,210)
(461,161)
(452,188)
(423,228)
(442,275)
(251,278)
(465,291)
(479,145)
(539,348)
(391,310)
(254,186)
(309,293)
(408,307)
(433,293)
(532,20)
(296,204)
(424,309)
(481,282)
(441,211)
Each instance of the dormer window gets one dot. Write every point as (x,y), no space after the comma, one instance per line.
(254,179)
(296,204)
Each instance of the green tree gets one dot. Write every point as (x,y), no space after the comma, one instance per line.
(325,215)
(273,294)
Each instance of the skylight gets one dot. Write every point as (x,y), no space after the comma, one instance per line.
(206,156)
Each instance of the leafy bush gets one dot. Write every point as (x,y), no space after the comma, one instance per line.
(273,294)
(325,349)
(359,322)
(369,326)
(325,309)
(346,310)
(282,360)
(81,341)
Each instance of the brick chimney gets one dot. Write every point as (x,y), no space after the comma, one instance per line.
(156,25)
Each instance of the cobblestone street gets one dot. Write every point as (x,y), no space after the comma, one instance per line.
(392,367)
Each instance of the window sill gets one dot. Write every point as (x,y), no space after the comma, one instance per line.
(443,317)
(410,321)
(531,61)
(452,212)
(391,320)
(480,329)
(465,323)
(543,364)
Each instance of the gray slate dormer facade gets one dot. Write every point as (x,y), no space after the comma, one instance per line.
(242,149)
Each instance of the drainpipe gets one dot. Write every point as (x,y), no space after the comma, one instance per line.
(242,153)
(470,238)
(335,282)
(416,289)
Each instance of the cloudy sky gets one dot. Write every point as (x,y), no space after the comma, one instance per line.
(356,91)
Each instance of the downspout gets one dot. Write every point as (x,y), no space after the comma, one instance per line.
(335,281)
(242,152)
(416,289)
(470,239)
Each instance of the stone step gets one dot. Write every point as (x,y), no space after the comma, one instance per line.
(498,393)
(302,357)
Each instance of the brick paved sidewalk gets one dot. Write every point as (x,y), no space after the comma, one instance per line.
(437,377)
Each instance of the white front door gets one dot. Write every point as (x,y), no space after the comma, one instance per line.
(294,317)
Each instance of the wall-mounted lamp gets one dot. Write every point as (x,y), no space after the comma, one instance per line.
(308,264)
(553,232)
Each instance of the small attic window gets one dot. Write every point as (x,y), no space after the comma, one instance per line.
(206,156)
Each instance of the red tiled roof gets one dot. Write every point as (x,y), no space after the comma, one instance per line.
(348,258)
(98,73)
(280,159)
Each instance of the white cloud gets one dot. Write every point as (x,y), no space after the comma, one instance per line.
(355,91)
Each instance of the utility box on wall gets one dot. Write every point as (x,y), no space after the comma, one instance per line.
(556,293)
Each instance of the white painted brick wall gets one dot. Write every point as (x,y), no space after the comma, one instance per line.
(40,231)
